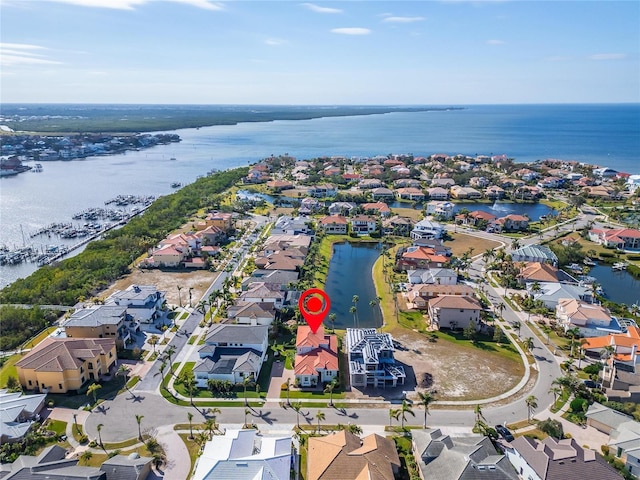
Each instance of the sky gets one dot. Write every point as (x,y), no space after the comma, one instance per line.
(287,52)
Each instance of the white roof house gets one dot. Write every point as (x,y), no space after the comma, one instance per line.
(243,454)
(427,229)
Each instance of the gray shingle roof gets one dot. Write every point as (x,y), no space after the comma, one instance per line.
(237,334)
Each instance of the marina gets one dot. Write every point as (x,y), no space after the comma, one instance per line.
(619,266)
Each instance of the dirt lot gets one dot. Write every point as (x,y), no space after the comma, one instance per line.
(462,242)
(456,372)
(168,283)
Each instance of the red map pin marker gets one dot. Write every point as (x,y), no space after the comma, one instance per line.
(314,305)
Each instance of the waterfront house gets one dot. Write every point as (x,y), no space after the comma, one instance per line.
(369,183)
(550,293)
(440,209)
(316,360)
(427,229)
(513,222)
(590,319)
(410,193)
(420,294)
(382,193)
(334,225)
(102,321)
(343,455)
(536,272)
(439,276)
(323,190)
(466,193)
(62,365)
(552,459)
(534,253)
(341,208)
(438,193)
(279,185)
(475,218)
(371,359)
(363,224)
(621,238)
(397,225)
(143,302)
(19,412)
(464,457)
(379,208)
(245,454)
(231,353)
(494,192)
(454,311)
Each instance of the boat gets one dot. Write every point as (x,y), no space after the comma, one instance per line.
(176,185)
(619,266)
(589,262)
(37,167)
(173,159)
(12,166)
(574,267)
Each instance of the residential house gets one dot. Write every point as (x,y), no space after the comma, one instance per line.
(536,272)
(371,359)
(223,221)
(51,464)
(245,454)
(592,320)
(551,459)
(252,313)
(438,276)
(397,225)
(438,193)
(427,229)
(550,182)
(280,261)
(454,311)
(467,193)
(316,360)
(420,294)
(494,192)
(279,185)
(334,225)
(341,208)
(440,209)
(309,205)
(143,302)
(406,182)
(211,235)
(379,208)
(534,253)
(479,182)
(410,193)
(369,183)
(286,225)
(129,467)
(276,243)
(18,413)
(279,277)
(168,256)
(550,293)
(382,193)
(330,171)
(343,455)
(263,292)
(513,222)
(443,182)
(231,353)
(434,244)
(363,224)
(468,457)
(324,190)
(61,365)
(416,258)
(102,321)
(475,218)
(621,238)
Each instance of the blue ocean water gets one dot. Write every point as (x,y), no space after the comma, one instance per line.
(598,134)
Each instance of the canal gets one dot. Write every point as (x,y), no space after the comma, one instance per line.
(619,286)
(350,273)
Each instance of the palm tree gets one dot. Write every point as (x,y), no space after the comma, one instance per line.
(139,422)
(606,353)
(393,413)
(123,371)
(404,409)
(582,343)
(179,295)
(426,399)
(190,417)
(547,331)
(297,407)
(93,390)
(245,382)
(478,411)
(169,352)
(214,412)
(153,341)
(515,244)
(517,326)
(320,416)
(162,368)
(210,426)
(355,301)
(528,343)
(373,304)
(353,311)
(332,318)
(86,457)
(99,428)
(555,391)
(500,307)
(329,389)
(189,382)
(572,333)
(288,390)
(532,404)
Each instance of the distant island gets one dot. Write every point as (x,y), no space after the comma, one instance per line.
(92,118)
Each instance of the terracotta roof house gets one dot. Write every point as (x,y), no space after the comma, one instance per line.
(245,454)
(279,261)
(419,295)
(473,218)
(471,457)
(513,222)
(371,359)
(543,272)
(454,311)
(211,235)
(380,208)
(622,238)
(443,182)
(61,365)
(415,258)
(344,456)
(592,320)
(494,192)
(279,185)
(316,360)
(369,183)
(459,192)
(552,459)
(18,413)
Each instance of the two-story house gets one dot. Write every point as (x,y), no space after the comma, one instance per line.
(102,321)
(143,302)
(371,359)
(316,359)
(454,312)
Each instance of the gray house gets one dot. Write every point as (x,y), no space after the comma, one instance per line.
(371,360)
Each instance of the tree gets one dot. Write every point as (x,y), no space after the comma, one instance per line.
(329,389)
(162,368)
(214,412)
(332,318)
(288,390)
(573,334)
(532,404)
(320,417)
(393,413)
(139,422)
(86,457)
(179,287)
(605,354)
(405,409)
(169,352)
(153,341)
(517,326)
(355,301)
(478,412)
(555,391)
(99,428)
(471,331)
(93,390)
(123,371)
(551,427)
(500,307)
(297,406)
(353,311)
(529,344)
(190,418)
(426,399)
(189,382)
(210,426)
(245,383)
(547,331)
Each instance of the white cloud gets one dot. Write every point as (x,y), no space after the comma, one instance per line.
(318,9)
(495,42)
(351,31)
(607,56)
(23,54)
(131,4)
(274,41)
(403,19)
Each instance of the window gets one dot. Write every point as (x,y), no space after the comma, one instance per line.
(60,386)
(29,382)
(81,369)
(90,365)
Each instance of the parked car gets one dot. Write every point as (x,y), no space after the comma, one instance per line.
(592,384)
(504,433)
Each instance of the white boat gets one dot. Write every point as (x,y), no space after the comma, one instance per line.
(619,266)
(37,167)
(589,262)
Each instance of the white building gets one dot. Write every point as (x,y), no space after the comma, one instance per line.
(427,229)
(143,302)
(440,209)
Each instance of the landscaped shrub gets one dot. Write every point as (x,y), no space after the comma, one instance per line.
(593,368)
(577,405)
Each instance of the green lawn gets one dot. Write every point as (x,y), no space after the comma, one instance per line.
(9,369)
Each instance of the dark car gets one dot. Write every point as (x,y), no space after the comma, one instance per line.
(592,384)
(504,433)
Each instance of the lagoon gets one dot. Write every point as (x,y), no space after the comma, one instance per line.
(619,286)
(350,273)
